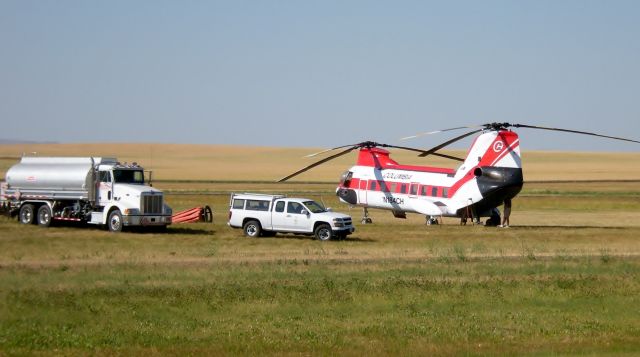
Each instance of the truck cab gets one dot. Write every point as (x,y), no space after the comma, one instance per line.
(122,188)
(266,215)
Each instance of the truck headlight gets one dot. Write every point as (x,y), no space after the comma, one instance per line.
(338,222)
(130,211)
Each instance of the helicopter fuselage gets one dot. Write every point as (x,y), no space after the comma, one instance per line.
(490,174)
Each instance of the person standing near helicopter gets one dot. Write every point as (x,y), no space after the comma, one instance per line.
(506,213)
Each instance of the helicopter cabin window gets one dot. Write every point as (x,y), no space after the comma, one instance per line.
(423,190)
(238,204)
(257,205)
(403,188)
(434,191)
(384,187)
(413,189)
(393,187)
(445,192)
(345,180)
(373,185)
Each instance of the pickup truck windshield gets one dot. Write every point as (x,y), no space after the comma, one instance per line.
(129,176)
(314,207)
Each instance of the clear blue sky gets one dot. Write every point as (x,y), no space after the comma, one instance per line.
(317,73)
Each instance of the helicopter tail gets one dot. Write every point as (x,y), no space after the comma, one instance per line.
(495,149)
(492,171)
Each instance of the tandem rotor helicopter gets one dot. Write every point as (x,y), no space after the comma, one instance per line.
(490,174)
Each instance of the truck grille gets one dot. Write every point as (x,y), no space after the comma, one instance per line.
(347,222)
(151,204)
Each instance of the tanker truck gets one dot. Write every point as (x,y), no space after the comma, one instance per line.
(95,190)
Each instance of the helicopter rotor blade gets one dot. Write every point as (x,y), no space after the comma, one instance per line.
(449,142)
(441,131)
(447,156)
(317,163)
(423,151)
(573,131)
(327,150)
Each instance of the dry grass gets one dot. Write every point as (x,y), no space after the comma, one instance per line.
(242,163)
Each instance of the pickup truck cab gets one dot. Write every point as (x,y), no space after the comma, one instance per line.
(266,215)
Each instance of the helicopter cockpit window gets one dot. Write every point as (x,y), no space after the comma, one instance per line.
(346,178)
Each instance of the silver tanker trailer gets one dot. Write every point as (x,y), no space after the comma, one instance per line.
(95,190)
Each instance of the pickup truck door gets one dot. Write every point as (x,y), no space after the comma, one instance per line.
(279,219)
(301,222)
(291,218)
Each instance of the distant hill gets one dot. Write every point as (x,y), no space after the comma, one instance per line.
(16,141)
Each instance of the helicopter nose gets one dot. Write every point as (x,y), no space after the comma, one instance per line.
(347,195)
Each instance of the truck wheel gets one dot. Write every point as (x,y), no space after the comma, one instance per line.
(114,223)
(323,232)
(252,229)
(26,214)
(44,216)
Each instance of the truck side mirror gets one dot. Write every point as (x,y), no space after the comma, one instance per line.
(305,212)
(329,209)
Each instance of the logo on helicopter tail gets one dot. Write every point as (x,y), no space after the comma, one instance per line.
(498,146)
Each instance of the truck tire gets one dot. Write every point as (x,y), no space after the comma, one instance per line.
(27,214)
(323,232)
(44,216)
(114,223)
(252,229)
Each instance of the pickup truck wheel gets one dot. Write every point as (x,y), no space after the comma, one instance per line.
(323,232)
(114,223)
(44,216)
(27,214)
(252,229)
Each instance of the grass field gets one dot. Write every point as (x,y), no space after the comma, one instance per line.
(564,280)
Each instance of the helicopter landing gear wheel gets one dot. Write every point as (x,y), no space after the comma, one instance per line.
(432,221)
(365,218)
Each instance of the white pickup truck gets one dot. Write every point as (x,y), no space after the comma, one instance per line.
(266,215)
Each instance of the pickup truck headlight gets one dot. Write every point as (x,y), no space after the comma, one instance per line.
(338,222)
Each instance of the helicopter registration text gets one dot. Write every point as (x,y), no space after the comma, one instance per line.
(393,200)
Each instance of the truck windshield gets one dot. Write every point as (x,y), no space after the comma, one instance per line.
(129,176)
(314,207)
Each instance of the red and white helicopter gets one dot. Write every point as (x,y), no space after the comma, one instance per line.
(490,174)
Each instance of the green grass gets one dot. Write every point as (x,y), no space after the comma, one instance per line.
(457,306)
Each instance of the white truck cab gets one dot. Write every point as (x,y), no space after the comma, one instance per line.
(266,215)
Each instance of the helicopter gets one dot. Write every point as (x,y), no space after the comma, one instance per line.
(489,175)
